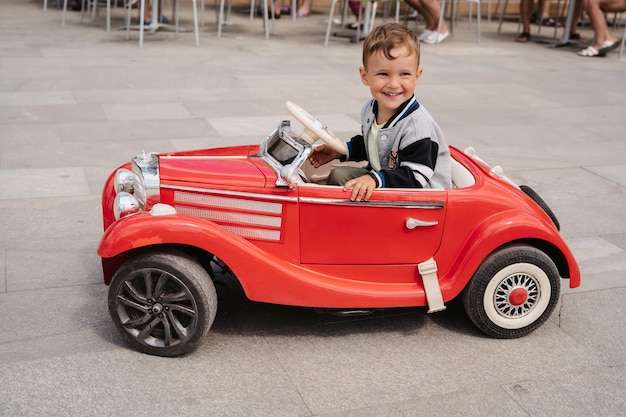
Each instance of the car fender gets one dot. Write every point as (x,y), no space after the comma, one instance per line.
(143,229)
(497,231)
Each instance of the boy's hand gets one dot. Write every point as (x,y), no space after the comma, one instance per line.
(321,155)
(362,188)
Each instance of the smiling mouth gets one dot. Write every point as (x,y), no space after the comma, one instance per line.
(392,94)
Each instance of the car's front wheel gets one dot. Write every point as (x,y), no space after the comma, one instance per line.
(513,292)
(162,303)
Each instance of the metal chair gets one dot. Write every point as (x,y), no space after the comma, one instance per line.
(560,11)
(86,6)
(267,14)
(175,13)
(452,17)
(369,16)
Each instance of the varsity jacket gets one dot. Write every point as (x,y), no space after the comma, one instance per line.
(411,148)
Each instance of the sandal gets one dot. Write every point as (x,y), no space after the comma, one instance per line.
(523,37)
(608,46)
(591,52)
(550,22)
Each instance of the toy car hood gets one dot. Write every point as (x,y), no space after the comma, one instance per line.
(235,166)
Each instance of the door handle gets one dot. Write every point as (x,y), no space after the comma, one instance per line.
(412,223)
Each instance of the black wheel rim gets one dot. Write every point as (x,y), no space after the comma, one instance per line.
(156,308)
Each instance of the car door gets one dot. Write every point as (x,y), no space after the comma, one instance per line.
(396,226)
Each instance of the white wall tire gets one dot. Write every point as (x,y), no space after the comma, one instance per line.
(513,292)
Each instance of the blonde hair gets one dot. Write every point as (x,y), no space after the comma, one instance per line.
(388,36)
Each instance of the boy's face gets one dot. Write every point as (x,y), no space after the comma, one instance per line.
(391,81)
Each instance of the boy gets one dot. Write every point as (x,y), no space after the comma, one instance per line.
(403,144)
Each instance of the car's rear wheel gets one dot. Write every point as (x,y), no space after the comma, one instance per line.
(513,292)
(162,303)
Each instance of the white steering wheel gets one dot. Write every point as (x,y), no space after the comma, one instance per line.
(314,129)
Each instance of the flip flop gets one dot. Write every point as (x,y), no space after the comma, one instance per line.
(608,46)
(591,52)
(550,22)
(523,37)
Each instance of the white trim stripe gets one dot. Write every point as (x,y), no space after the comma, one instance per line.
(401,115)
(250,232)
(228,203)
(205,191)
(230,216)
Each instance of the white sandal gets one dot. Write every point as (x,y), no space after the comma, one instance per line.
(590,51)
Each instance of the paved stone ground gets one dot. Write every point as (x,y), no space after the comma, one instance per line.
(77,102)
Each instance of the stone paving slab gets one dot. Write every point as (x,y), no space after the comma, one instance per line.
(77,102)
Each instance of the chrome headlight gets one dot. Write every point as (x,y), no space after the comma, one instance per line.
(125,204)
(124,181)
(138,189)
(146,170)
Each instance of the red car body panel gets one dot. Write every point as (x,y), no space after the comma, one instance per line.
(308,245)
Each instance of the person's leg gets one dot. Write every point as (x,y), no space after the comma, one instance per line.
(341,175)
(544,17)
(526,11)
(604,39)
(545,12)
(278,7)
(431,24)
(354,6)
(597,20)
(305,8)
(433,9)
(578,13)
(147,17)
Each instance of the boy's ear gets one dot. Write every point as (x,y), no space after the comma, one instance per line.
(363,74)
(418,74)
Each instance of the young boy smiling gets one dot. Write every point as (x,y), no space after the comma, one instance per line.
(404,146)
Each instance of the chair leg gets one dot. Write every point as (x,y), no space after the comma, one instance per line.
(442,15)
(109,15)
(330,21)
(195,22)
(266,22)
(371,17)
(64,13)
(84,8)
(358,26)
(506,3)
(478,22)
(129,8)
(220,19)
(621,48)
(142,13)
(176,20)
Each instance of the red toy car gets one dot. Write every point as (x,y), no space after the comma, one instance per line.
(264,213)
